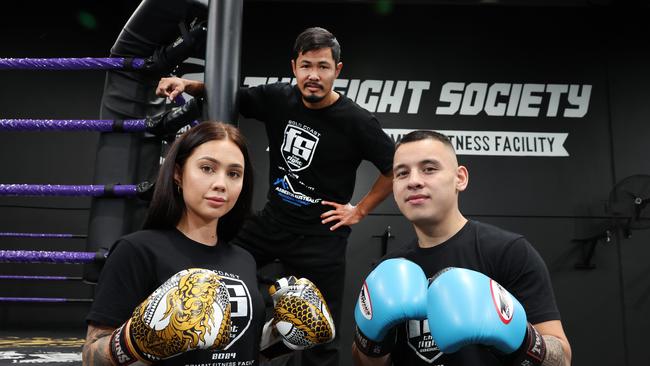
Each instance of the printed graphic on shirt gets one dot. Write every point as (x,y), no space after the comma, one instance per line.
(284,188)
(241,307)
(224,359)
(421,342)
(299,145)
(241,316)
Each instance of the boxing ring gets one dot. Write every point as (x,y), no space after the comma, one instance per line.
(222,64)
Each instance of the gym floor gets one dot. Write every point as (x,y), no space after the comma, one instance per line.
(46,347)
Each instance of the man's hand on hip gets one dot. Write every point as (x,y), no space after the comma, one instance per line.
(345,214)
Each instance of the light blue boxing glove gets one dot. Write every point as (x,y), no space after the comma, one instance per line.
(395,291)
(467,307)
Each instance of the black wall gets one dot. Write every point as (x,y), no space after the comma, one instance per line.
(550,199)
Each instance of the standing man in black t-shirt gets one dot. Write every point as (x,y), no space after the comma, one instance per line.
(317,139)
(399,329)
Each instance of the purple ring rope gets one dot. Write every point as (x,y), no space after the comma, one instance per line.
(44,278)
(67,190)
(41,299)
(101,125)
(84,63)
(38,256)
(42,235)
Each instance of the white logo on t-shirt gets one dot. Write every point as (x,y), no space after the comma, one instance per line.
(241,307)
(298,146)
(421,342)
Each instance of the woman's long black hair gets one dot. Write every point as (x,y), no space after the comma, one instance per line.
(167,204)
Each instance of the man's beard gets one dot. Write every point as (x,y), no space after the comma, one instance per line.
(311,98)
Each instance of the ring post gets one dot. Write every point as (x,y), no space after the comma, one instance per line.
(223,51)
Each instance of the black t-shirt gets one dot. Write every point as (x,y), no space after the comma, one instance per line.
(314,154)
(140,262)
(507,258)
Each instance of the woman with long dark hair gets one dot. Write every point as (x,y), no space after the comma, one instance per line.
(202,195)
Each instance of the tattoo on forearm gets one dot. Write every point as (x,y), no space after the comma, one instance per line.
(96,346)
(554,352)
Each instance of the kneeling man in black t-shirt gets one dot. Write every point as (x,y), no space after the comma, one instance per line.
(468,293)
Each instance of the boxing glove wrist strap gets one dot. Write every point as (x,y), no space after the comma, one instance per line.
(532,350)
(372,348)
(122,350)
(121,353)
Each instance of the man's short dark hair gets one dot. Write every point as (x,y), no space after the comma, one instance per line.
(316,38)
(418,135)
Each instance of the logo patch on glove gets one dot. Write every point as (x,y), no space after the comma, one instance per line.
(365,305)
(502,301)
